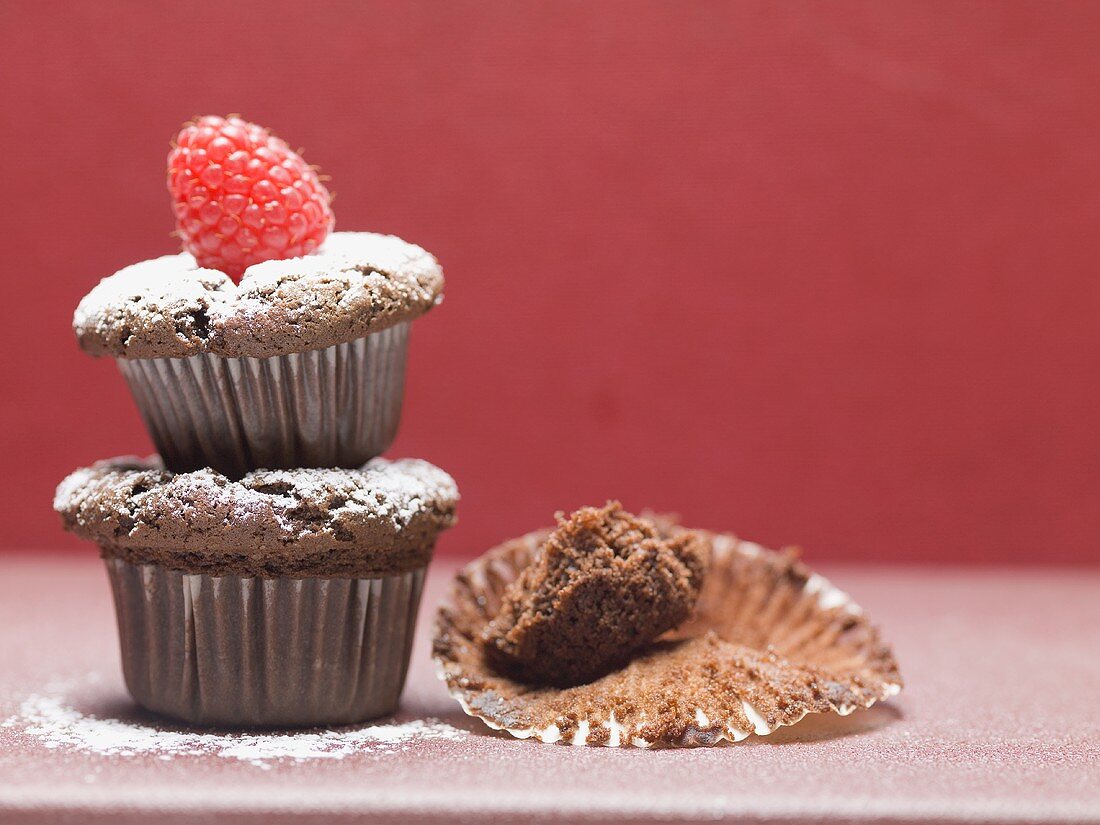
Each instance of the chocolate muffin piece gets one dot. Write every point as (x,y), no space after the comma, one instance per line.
(379,520)
(603,585)
(355,284)
(769,641)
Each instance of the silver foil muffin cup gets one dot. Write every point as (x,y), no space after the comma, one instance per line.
(251,652)
(332,407)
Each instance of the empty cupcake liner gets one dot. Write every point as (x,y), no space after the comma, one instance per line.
(332,407)
(250,652)
(770,642)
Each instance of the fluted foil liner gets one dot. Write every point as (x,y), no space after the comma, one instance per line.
(251,652)
(333,407)
(770,642)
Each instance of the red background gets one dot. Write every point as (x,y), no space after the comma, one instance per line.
(818,273)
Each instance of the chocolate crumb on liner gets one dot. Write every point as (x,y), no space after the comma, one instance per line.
(603,586)
(770,642)
(287,598)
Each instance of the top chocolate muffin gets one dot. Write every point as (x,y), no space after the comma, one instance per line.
(355,284)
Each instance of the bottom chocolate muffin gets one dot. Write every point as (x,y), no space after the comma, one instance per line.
(287,598)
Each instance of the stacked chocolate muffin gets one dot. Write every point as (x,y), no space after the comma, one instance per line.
(267,567)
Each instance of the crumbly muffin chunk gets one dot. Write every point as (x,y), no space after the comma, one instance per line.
(603,585)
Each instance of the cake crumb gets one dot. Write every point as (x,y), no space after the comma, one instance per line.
(602,586)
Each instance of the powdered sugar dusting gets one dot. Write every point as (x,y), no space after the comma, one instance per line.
(95,501)
(51,719)
(355,284)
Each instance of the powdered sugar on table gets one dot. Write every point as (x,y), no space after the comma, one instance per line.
(51,718)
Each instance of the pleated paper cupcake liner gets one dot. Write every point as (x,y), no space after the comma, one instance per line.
(251,652)
(770,642)
(333,407)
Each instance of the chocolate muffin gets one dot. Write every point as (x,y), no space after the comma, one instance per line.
(286,598)
(768,642)
(603,585)
(301,364)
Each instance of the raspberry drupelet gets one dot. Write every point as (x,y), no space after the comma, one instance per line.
(241,195)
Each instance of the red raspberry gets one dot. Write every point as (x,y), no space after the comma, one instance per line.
(242,196)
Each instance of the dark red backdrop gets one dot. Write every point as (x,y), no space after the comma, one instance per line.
(819,273)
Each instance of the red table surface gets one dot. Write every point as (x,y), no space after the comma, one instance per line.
(998,723)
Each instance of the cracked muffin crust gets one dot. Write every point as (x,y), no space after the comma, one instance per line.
(603,585)
(378,520)
(355,284)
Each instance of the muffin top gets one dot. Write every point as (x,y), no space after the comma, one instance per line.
(356,283)
(380,519)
